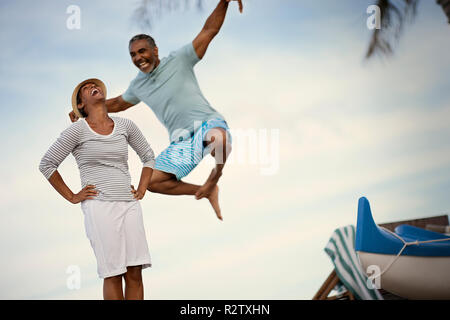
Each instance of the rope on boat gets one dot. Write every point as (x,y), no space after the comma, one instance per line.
(405,244)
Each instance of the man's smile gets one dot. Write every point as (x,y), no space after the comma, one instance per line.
(143,64)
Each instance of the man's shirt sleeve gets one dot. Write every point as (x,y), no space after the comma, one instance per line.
(129,96)
(187,54)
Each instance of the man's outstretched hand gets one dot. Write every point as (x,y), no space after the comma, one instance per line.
(241,7)
(73,117)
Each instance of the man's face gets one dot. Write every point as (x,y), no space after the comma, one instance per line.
(90,93)
(143,55)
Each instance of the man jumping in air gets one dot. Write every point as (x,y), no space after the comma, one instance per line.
(169,87)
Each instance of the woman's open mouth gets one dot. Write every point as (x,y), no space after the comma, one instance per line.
(94,92)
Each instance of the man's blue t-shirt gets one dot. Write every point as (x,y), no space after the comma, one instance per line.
(171,90)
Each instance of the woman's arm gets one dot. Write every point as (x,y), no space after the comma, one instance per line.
(55,155)
(139,144)
(146,176)
(58,183)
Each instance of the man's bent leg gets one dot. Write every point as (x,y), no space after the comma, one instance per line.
(220,150)
(167,183)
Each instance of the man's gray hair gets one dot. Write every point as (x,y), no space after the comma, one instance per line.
(149,39)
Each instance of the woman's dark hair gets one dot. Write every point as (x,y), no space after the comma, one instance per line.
(83,113)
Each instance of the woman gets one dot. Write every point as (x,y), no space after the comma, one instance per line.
(113,216)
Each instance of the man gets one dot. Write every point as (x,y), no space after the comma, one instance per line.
(169,87)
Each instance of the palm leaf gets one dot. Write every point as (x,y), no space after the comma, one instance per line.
(394,15)
(148,11)
(445,4)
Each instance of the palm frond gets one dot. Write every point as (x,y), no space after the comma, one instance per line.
(149,11)
(445,4)
(394,15)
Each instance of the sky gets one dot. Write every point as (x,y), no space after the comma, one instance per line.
(315,127)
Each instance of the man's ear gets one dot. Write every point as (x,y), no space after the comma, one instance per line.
(155,51)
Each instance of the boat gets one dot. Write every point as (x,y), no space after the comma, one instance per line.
(411,262)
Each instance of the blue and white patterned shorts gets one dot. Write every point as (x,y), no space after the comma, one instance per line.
(181,157)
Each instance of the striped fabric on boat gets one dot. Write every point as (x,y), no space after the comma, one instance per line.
(341,249)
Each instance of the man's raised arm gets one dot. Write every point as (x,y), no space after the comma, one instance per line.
(116,104)
(212,27)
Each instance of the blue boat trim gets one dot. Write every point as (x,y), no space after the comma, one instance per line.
(405,230)
(373,239)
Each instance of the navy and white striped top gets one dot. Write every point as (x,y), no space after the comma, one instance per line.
(102,159)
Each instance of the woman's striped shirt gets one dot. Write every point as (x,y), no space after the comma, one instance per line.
(102,159)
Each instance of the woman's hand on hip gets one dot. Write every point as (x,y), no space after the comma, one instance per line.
(87,193)
(137,194)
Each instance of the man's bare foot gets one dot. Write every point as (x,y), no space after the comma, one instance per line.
(214,200)
(205,190)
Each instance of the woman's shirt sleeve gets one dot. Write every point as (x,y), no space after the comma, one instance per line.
(139,144)
(59,150)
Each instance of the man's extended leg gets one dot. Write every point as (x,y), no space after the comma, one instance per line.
(167,183)
(220,150)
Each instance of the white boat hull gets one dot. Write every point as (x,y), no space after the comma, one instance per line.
(411,277)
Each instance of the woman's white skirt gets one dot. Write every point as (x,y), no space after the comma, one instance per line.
(116,232)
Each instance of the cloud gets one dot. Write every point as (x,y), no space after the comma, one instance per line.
(346,128)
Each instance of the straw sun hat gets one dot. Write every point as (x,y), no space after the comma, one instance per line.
(95,81)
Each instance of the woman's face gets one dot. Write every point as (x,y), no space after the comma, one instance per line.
(90,94)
